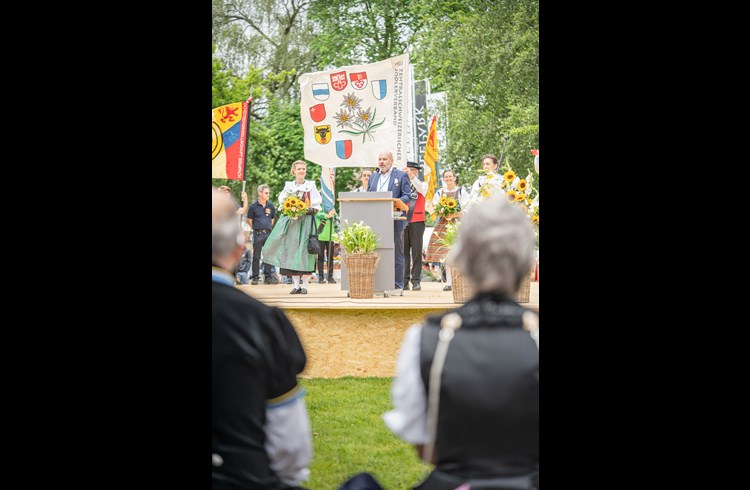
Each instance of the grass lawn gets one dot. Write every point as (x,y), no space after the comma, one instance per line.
(349,435)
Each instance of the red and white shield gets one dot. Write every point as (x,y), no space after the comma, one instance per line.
(359,80)
(318,112)
(339,81)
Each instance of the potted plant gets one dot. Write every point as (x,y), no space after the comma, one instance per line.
(358,242)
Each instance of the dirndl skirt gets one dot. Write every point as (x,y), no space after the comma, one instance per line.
(436,251)
(286,246)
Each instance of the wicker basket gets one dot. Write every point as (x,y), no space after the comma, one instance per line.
(461,289)
(361,269)
(522,296)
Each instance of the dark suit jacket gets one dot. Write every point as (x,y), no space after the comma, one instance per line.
(255,356)
(400,187)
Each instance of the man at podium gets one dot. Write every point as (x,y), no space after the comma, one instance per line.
(385,179)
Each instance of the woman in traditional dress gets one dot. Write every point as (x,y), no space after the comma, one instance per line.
(490,165)
(286,246)
(436,251)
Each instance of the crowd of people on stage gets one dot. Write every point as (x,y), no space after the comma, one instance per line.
(466,390)
(277,244)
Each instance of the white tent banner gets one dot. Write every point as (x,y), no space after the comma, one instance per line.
(353,113)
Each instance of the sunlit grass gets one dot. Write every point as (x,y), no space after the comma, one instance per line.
(349,435)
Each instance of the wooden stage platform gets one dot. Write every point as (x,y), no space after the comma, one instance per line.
(356,337)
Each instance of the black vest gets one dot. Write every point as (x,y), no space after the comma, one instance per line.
(488,421)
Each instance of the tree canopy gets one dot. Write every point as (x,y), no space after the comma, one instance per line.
(483,54)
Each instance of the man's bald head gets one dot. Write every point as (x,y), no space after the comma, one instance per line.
(385,161)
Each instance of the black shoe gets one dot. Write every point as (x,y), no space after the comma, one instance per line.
(272,280)
(303,291)
(416,287)
(255,282)
(331,281)
(406,286)
(322,281)
(295,291)
(447,288)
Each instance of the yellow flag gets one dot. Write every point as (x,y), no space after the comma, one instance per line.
(431,158)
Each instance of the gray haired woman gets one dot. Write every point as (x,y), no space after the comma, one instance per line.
(466,391)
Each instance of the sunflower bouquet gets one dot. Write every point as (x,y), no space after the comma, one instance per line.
(447,206)
(294,207)
(515,189)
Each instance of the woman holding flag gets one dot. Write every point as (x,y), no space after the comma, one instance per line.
(286,246)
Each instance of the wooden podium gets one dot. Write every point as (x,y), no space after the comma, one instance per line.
(376,210)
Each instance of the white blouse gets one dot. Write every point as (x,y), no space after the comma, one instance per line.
(477,184)
(408,419)
(316,201)
(463,198)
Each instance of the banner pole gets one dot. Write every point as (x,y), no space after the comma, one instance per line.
(247,145)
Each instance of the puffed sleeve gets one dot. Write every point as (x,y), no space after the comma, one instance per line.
(316,200)
(436,197)
(476,186)
(463,198)
(285,192)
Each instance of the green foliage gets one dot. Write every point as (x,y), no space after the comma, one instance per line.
(493,91)
(357,238)
(484,54)
(349,435)
(276,142)
(270,35)
(226,87)
(351,32)
(451,234)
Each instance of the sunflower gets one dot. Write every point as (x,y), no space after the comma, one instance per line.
(535,219)
(509,176)
(502,186)
(443,200)
(511,195)
(287,204)
(519,197)
(521,185)
(451,202)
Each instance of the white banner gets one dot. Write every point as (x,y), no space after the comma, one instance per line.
(353,113)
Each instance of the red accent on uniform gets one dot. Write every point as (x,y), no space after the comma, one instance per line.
(418,214)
